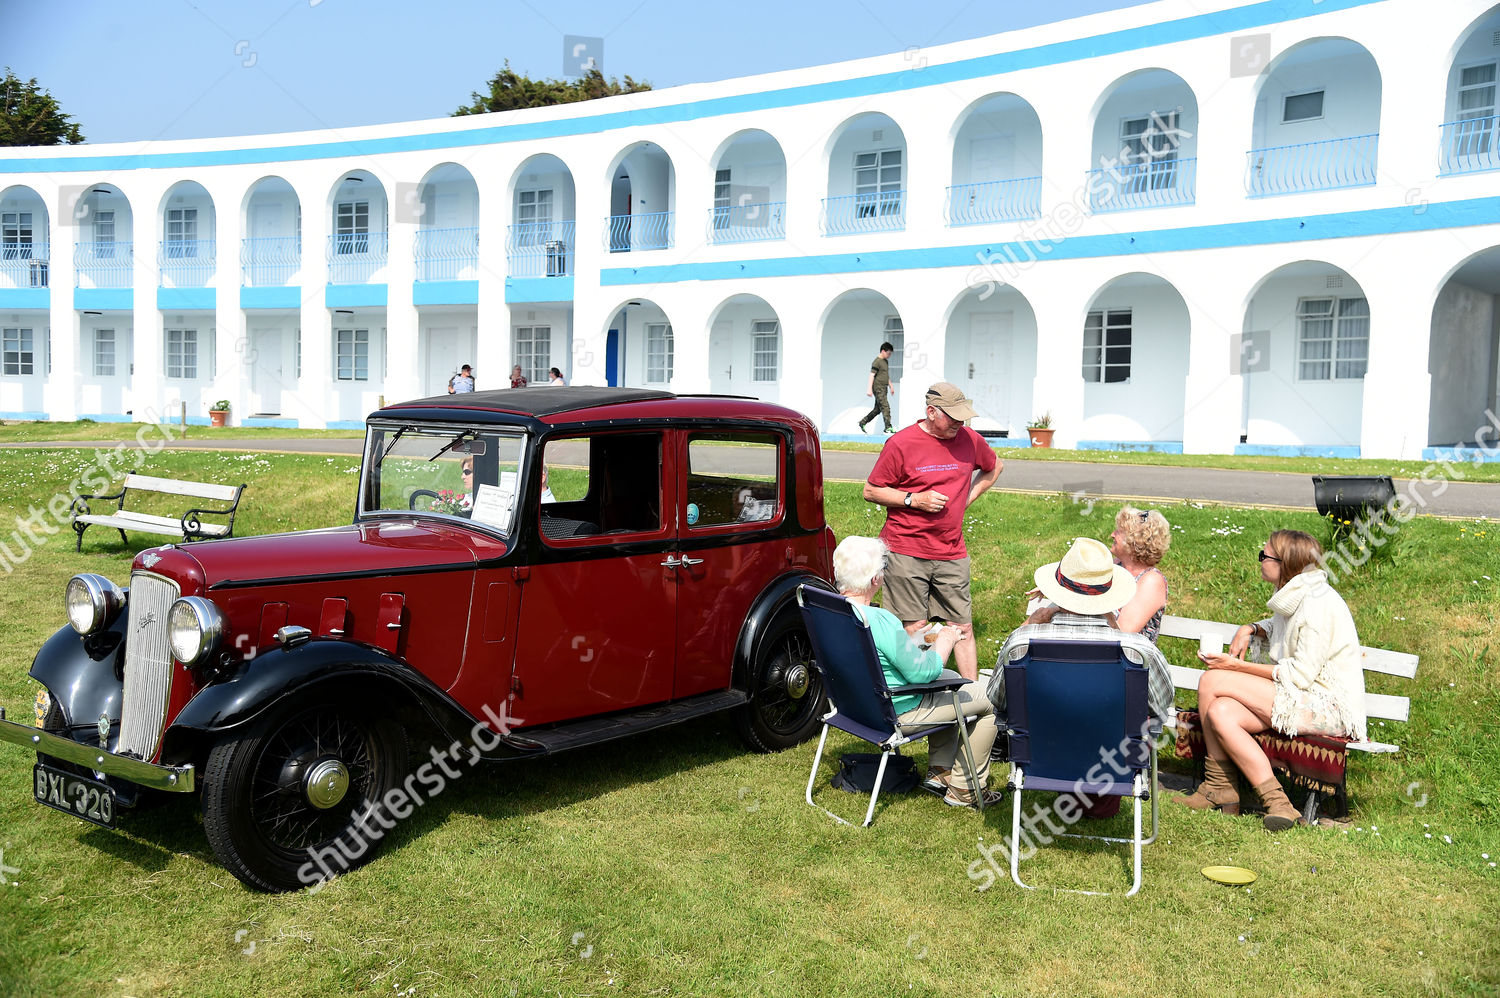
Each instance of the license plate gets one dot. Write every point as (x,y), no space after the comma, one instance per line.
(79,796)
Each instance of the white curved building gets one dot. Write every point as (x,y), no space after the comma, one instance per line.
(1270,227)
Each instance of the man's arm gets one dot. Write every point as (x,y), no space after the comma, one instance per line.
(870,384)
(984,481)
(930,501)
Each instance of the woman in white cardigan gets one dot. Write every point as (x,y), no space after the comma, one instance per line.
(1315,683)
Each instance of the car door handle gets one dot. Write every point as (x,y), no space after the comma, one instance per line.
(675,562)
(692,561)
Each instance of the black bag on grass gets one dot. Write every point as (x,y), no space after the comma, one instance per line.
(856,774)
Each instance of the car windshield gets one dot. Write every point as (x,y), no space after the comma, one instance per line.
(450,470)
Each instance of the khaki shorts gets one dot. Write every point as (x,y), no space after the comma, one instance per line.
(920,589)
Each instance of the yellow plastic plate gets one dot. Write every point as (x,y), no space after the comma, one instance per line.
(1236,876)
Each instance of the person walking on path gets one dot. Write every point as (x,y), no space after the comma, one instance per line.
(925,477)
(879,387)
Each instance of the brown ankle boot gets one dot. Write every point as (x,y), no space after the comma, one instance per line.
(1280,815)
(1216,790)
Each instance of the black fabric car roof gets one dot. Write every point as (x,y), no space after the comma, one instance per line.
(542,400)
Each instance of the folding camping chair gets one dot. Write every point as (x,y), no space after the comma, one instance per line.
(1077,714)
(859,699)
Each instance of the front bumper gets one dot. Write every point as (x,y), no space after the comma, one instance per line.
(176,779)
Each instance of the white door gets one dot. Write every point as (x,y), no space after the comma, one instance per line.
(268,370)
(267,230)
(992,158)
(989,369)
(443,358)
(721,358)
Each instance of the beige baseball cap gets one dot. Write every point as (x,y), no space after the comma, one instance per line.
(947,397)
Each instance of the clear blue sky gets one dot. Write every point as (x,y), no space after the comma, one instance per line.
(129,70)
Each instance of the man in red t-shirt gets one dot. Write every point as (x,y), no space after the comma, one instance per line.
(925,479)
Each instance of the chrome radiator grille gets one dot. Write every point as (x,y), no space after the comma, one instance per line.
(148,664)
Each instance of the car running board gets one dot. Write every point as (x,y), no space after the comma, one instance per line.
(593,730)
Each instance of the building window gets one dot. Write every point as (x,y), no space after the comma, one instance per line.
(18,351)
(534,352)
(182,353)
(1476,105)
(534,216)
(895,335)
(1302,107)
(104,235)
(104,353)
(721,199)
(352,227)
(658,353)
(182,233)
(1333,339)
(15,235)
(877,183)
(1150,143)
(765,337)
(353,361)
(1106,346)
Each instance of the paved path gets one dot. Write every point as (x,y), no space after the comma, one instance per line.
(1107,482)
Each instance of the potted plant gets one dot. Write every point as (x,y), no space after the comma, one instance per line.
(218,413)
(1040,430)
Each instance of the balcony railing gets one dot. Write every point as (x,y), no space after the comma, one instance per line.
(651,231)
(270,261)
(1157,183)
(104,264)
(540,249)
(185,263)
(1470,146)
(995,201)
(354,257)
(747,223)
(24,265)
(447,254)
(1312,166)
(882,212)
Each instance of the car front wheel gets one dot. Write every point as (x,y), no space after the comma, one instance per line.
(786,693)
(293,800)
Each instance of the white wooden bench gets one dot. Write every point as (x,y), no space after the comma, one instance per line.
(189,526)
(1378,706)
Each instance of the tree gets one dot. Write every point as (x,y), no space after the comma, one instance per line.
(510,90)
(30,116)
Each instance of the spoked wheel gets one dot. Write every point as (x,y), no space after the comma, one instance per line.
(786,694)
(287,804)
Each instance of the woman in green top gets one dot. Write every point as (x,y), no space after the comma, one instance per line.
(858,570)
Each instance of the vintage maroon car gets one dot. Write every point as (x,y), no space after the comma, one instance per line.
(528,571)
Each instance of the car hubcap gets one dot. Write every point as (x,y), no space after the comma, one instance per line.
(797,680)
(327,782)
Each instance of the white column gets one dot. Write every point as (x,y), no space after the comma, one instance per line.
(402,380)
(594,307)
(492,361)
(690,373)
(924,352)
(148,385)
(60,391)
(1058,386)
(802,358)
(1398,385)
(1219,356)
(231,347)
(310,403)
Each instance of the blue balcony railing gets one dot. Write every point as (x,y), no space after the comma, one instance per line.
(747,223)
(185,263)
(1157,183)
(355,257)
(1470,146)
(540,249)
(270,261)
(24,265)
(882,212)
(1312,166)
(104,264)
(651,231)
(995,201)
(447,254)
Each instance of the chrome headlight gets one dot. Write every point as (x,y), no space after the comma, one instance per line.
(92,602)
(194,627)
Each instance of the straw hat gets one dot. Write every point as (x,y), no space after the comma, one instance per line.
(1087,580)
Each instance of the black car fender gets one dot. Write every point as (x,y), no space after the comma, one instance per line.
(275,677)
(779,598)
(84,674)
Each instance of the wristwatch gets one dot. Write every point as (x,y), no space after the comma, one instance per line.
(907,500)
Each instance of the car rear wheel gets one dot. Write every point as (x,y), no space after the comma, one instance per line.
(786,693)
(293,800)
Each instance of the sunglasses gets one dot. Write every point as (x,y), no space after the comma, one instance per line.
(468,471)
(1267,557)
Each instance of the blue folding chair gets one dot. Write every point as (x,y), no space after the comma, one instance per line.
(859,699)
(1078,721)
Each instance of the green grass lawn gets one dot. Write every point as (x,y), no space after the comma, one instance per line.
(12,432)
(680,864)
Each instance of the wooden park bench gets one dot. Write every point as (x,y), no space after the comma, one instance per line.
(190,525)
(1313,762)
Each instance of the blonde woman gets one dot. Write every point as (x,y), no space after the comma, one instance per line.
(1139,543)
(1315,683)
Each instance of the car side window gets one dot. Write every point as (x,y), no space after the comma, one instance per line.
(733,479)
(616,489)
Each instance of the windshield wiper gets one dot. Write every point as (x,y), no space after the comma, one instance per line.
(383,454)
